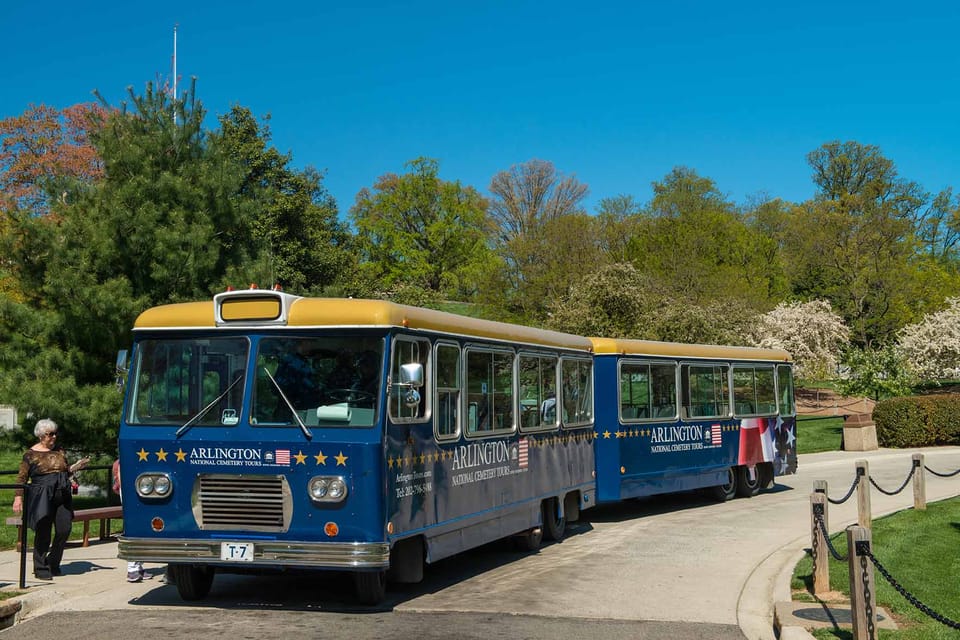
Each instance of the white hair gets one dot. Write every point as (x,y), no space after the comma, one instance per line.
(44,426)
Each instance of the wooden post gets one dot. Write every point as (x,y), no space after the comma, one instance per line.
(863,589)
(820,486)
(919,483)
(818,543)
(863,495)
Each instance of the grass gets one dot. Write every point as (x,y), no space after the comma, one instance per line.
(9,461)
(919,549)
(818,434)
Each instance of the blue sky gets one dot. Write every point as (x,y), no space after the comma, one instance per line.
(616,93)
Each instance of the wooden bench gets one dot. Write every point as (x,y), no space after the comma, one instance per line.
(103,514)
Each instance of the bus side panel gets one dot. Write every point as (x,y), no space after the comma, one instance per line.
(463,494)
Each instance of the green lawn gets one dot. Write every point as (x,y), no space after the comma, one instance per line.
(815,434)
(919,549)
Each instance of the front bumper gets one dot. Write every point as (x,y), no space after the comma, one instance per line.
(267,553)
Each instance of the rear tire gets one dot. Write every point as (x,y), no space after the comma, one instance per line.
(193,582)
(747,487)
(554,525)
(370,586)
(728,491)
(530,539)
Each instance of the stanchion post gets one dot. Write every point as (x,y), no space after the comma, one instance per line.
(863,589)
(818,543)
(919,483)
(863,494)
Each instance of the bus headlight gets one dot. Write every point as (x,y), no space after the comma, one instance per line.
(327,489)
(154,485)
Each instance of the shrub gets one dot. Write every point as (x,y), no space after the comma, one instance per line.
(918,421)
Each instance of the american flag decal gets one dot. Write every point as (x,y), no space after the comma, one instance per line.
(523,453)
(283,456)
(716,434)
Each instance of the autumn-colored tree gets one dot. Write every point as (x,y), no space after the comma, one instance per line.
(44,148)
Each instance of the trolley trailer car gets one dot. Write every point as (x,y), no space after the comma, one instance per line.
(676,417)
(264,431)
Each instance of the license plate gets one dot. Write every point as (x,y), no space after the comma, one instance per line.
(236,551)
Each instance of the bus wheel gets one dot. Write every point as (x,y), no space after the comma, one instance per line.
(193,583)
(371,586)
(766,475)
(530,539)
(748,487)
(727,491)
(553,524)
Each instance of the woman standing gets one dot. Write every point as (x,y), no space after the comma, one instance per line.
(45,466)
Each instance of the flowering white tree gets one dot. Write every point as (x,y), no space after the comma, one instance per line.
(932,346)
(811,332)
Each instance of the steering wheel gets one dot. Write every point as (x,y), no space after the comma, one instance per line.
(348,395)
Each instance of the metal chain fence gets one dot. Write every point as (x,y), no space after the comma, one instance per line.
(853,488)
(923,608)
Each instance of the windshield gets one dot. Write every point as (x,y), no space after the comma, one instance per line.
(195,379)
(327,381)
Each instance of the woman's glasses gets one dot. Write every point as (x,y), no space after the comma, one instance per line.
(51,434)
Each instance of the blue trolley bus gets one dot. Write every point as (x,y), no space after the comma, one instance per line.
(263,430)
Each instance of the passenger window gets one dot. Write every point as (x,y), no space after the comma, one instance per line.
(489,387)
(706,390)
(785,387)
(576,392)
(648,390)
(447,411)
(538,392)
(753,391)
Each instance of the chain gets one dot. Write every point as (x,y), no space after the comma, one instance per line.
(893,493)
(823,529)
(910,597)
(942,475)
(856,481)
(863,550)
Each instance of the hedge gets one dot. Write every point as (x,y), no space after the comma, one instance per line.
(918,421)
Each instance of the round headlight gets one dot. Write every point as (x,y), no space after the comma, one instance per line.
(337,489)
(145,485)
(162,486)
(318,488)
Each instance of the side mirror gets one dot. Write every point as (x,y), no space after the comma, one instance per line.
(411,375)
(122,367)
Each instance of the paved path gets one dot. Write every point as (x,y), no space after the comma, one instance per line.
(677,559)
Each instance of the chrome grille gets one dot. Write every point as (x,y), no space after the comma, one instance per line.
(248,502)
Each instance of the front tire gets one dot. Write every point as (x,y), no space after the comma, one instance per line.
(370,586)
(193,582)
(727,491)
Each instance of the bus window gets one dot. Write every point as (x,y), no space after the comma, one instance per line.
(408,351)
(647,390)
(785,386)
(447,404)
(576,379)
(328,380)
(753,391)
(489,385)
(174,380)
(538,392)
(706,390)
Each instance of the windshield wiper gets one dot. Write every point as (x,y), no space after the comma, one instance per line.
(189,423)
(303,427)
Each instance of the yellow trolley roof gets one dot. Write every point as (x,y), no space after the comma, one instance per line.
(252,309)
(680,350)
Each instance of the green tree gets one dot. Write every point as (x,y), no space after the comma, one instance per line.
(854,244)
(417,229)
(877,373)
(694,242)
(293,225)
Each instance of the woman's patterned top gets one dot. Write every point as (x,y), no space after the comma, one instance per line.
(38,463)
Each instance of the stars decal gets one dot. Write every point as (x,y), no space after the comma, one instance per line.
(319,458)
(412,459)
